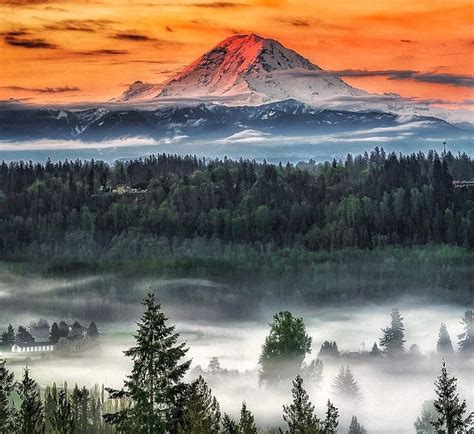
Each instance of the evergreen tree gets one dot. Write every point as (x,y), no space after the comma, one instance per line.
(7,410)
(54,333)
(466,338)
(345,384)
(450,411)
(313,372)
(229,426)
(375,352)
(8,337)
(355,427)
(299,415)
(23,336)
(92,330)
(284,349)
(329,349)
(63,329)
(31,416)
(393,336)
(444,345)
(424,423)
(247,421)
(154,387)
(201,414)
(61,418)
(331,422)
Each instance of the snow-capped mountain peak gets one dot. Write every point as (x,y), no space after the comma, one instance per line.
(248,69)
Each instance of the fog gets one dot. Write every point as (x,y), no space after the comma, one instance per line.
(392,393)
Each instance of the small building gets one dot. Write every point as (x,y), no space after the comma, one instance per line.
(35,347)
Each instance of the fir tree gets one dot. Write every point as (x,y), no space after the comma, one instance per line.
(450,410)
(61,419)
(355,427)
(345,384)
(247,421)
(8,337)
(331,422)
(155,386)
(284,349)
(201,414)
(54,333)
(424,423)
(23,336)
(31,415)
(299,415)
(329,349)
(229,426)
(444,345)
(466,338)
(92,330)
(375,352)
(7,410)
(393,336)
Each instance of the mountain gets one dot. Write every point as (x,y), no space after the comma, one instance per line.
(247,69)
(219,123)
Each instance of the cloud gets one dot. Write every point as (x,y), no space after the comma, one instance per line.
(168,29)
(458,80)
(90,26)
(129,36)
(15,41)
(60,89)
(104,52)
(406,41)
(218,5)
(23,2)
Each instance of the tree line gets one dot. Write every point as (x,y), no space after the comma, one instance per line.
(155,399)
(365,201)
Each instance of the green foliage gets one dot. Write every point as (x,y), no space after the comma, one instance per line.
(31,413)
(331,422)
(284,349)
(229,426)
(201,413)
(450,410)
(8,336)
(247,421)
(345,384)
(154,387)
(7,410)
(393,338)
(466,338)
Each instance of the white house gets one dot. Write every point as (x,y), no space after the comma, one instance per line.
(36,347)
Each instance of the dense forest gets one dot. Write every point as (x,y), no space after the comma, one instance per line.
(368,223)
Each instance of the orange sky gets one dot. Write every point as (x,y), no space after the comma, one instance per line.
(71,50)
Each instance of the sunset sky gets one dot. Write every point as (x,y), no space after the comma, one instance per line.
(70,51)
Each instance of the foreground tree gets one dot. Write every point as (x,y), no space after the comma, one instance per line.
(7,410)
(393,338)
(345,384)
(444,345)
(299,415)
(61,418)
(247,421)
(154,388)
(466,338)
(201,414)
(284,349)
(355,427)
(424,423)
(229,426)
(31,414)
(450,410)
(331,422)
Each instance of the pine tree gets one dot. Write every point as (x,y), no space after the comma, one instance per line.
(54,333)
(444,345)
(61,418)
(229,426)
(424,423)
(331,421)
(92,330)
(201,414)
(7,410)
(247,421)
(154,386)
(23,336)
(8,337)
(31,416)
(393,336)
(355,427)
(345,384)
(375,352)
(466,338)
(284,349)
(299,415)
(450,410)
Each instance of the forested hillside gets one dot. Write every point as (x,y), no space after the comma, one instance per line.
(367,201)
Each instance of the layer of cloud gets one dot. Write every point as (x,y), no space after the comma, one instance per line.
(16,41)
(130,36)
(60,89)
(90,26)
(104,52)
(219,5)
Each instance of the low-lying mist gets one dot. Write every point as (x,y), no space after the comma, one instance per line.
(211,322)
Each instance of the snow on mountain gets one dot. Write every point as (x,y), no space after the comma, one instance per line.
(247,69)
